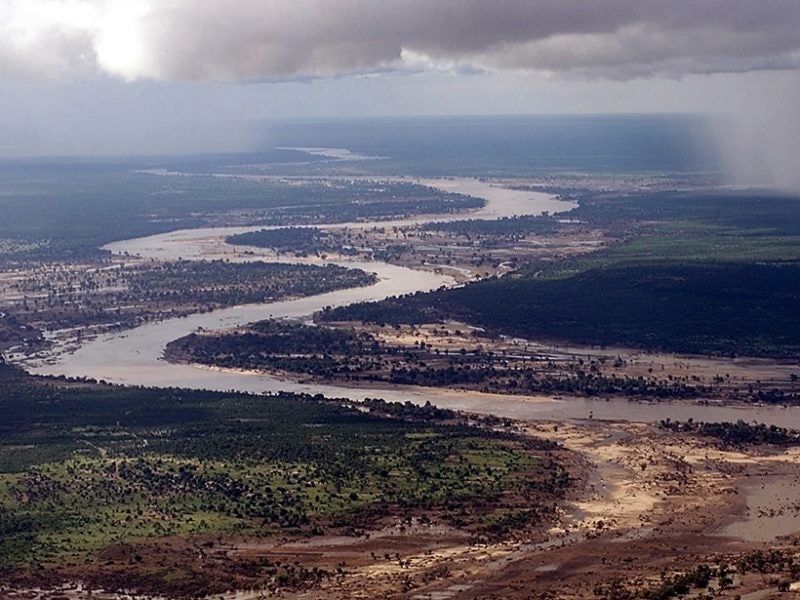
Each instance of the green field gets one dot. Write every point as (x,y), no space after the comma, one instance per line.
(85,468)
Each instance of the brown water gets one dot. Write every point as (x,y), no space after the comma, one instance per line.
(135,357)
(773,510)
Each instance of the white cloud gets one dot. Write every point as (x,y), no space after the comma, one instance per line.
(46,39)
(231,40)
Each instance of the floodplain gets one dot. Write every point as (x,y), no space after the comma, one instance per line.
(654,289)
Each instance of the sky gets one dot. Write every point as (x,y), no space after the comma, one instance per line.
(100,77)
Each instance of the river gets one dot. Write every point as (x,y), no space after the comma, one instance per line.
(134,357)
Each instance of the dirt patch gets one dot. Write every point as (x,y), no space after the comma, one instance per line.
(653,504)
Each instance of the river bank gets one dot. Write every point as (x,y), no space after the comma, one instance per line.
(134,357)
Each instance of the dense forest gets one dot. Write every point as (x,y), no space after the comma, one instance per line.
(729,309)
(712,274)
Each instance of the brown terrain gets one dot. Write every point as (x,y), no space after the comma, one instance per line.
(652,504)
(655,504)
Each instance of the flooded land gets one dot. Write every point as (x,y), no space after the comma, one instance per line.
(346,399)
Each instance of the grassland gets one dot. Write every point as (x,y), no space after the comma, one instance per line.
(99,482)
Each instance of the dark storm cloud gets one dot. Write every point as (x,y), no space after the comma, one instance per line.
(262,39)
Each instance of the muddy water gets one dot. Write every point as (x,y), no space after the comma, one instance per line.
(773,510)
(500,203)
(135,357)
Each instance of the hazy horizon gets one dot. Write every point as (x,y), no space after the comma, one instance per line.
(110,78)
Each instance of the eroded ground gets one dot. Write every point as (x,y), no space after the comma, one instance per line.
(654,505)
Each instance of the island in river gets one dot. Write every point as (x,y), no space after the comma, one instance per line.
(579,448)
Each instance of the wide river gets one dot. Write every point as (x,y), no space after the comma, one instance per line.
(135,357)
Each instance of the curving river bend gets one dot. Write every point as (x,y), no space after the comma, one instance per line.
(134,357)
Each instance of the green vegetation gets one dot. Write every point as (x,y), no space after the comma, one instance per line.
(64,210)
(219,283)
(506,226)
(86,469)
(677,585)
(714,274)
(358,356)
(304,241)
(768,561)
(705,581)
(13,332)
(288,239)
(737,434)
(742,227)
(118,296)
(708,309)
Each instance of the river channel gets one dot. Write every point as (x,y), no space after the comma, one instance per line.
(135,357)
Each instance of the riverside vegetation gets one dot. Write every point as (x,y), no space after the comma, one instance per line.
(126,487)
(123,294)
(182,493)
(72,208)
(708,274)
(353,356)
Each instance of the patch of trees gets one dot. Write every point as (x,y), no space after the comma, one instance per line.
(63,296)
(408,410)
(721,309)
(768,561)
(14,332)
(303,240)
(507,227)
(681,584)
(227,283)
(738,433)
(775,396)
(358,356)
(81,460)
(676,585)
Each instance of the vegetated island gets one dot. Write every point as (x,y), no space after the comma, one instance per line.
(352,355)
(701,274)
